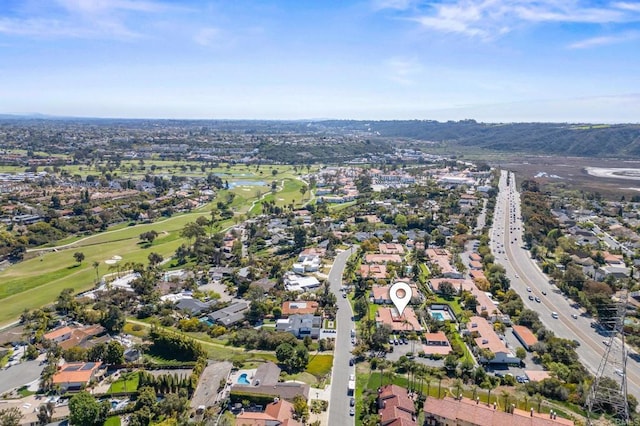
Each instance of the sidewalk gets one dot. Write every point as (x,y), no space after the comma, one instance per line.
(322,394)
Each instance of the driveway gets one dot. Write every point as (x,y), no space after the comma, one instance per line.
(19,375)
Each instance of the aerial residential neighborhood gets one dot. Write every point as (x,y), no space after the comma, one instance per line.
(231,289)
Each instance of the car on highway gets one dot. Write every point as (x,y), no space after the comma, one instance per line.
(531,297)
(574,316)
(529,289)
(554,315)
(538,299)
(544,293)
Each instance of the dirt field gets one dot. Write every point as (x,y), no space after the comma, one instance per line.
(571,173)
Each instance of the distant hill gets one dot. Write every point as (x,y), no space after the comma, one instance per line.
(587,140)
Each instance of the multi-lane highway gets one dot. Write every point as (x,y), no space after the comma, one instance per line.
(557,312)
(339,405)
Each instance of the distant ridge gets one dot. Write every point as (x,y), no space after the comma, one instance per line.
(570,139)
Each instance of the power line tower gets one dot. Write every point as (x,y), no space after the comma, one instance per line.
(608,392)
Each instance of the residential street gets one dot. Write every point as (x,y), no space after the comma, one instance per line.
(19,375)
(339,403)
(506,242)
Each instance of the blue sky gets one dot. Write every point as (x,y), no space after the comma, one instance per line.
(491,60)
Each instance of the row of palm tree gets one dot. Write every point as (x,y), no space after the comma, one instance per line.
(419,375)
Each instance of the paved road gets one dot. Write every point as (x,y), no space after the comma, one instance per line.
(506,243)
(19,375)
(339,403)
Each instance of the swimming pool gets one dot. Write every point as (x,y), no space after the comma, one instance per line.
(242,379)
(437,316)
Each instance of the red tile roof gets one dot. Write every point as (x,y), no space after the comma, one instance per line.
(468,412)
(299,307)
(405,322)
(525,335)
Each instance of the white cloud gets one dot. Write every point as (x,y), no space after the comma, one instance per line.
(83,19)
(403,71)
(207,36)
(102,6)
(605,40)
(393,4)
(492,18)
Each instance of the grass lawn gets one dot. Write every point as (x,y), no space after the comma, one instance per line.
(373,308)
(320,365)
(305,377)
(40,278)
(454,304)
(112,421)
(126,383)
(23,391)
(338,207)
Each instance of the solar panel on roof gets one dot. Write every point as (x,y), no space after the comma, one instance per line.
(88,366)
(72,368)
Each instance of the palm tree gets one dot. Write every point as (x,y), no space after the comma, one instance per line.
(526,402)
(96,265)
(505,396)
(458,386)
(537,398)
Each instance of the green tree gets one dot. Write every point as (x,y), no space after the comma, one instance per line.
(401,221)
(45,413)
(521,353)
(154,259)
(300,409)
(114,320)
(361,307)
(78,256)
(10,416)
(191,231)
(299,237)
(85,410)
(114,355)
(284,352)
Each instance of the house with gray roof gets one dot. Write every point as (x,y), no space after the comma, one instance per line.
(265,382)
(301,325)
(230,315)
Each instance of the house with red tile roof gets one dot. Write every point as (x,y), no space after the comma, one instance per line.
(474,264)
(477,275)
(69,337)
(299,307)
(277,413)
(373,271)
(399,323)
(74,376)
(525,336)
(395,407)
(464,411)
(436,344)
(380,294)
(382,258)
(442,258)
(485,337)
(390,248)
(475,257)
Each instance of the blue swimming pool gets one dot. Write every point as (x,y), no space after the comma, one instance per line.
(242,379)
(437,316)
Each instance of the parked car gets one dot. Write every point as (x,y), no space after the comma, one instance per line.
(352,402)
